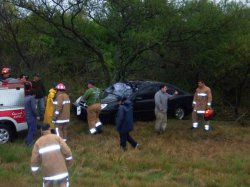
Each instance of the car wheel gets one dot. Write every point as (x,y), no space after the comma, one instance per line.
(5,134)
(179,113)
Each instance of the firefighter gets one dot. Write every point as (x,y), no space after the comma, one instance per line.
(202,101)
(53,155)
(61,116)
(6,75)
(92,98)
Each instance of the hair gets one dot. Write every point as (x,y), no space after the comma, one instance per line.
(200,80)
(162,86)
(90,82)
(23,75)
(45,127)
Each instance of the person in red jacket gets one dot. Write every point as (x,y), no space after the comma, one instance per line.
(53,155)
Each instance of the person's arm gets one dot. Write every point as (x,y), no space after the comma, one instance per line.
(58,106)
(119,118)
(33,105)
(43,89)
(209,98)
(86,94)
(35,159)
(195,98)
(66,151)
(158,103)
(175,93)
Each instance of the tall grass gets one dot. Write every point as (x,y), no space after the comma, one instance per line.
(180,157)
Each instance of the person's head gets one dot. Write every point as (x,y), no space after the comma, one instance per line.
(54,85)
(36,77)
(121,99)
(23,77)
(60,87)
(6,72)
(90,83)
(201,83)
(45,129)
(28,89)
(163,88)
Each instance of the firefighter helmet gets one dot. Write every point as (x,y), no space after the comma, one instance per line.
(5,70)
(208,114)
(60,86)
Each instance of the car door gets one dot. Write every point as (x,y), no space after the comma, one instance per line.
(143,102)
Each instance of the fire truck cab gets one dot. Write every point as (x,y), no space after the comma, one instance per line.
(12,113)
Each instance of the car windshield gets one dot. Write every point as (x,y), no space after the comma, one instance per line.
(119,89)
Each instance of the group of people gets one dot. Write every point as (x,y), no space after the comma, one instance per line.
(201,104)
(51,151)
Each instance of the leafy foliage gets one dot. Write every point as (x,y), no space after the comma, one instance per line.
(116,40)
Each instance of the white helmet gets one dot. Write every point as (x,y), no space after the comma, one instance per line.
(60,86)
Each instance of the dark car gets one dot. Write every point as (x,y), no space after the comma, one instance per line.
(141,93)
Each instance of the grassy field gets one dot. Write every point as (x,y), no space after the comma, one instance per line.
(180,157)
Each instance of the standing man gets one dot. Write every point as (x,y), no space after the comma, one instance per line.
(124,122)
(202,101)
(39,89)
(52,154)
(30,114)
(92,99)
(161,107)
(61,116)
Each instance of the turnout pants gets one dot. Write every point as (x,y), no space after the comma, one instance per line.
(56,183)
(61,130)
(93,112)
(198,118)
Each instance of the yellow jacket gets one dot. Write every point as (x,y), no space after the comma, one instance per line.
(49,108)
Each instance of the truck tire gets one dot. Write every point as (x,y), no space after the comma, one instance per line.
(6,134)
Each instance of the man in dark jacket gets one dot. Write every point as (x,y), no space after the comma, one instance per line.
(124,122)
(40,91)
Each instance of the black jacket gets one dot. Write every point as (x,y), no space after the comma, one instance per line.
(39,89)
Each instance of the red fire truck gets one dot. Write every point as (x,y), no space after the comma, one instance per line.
(12,113)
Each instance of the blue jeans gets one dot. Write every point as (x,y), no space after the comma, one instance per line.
(32,127)
(124,137)
(41,107)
